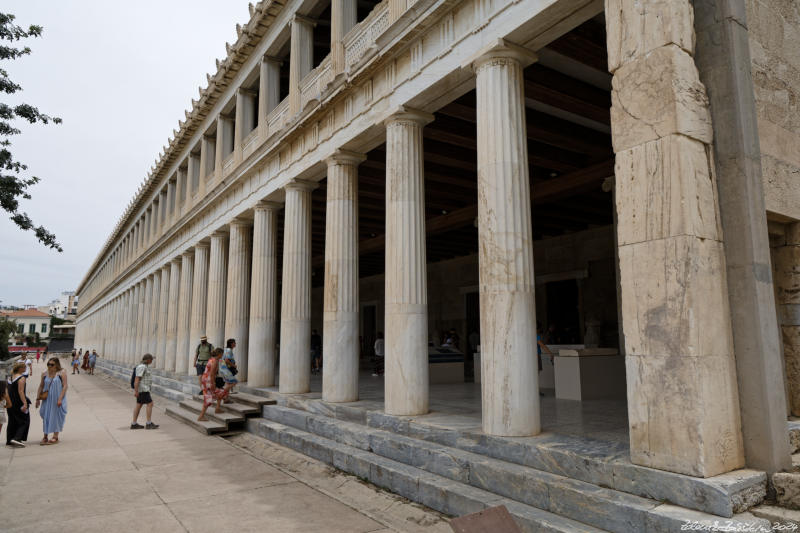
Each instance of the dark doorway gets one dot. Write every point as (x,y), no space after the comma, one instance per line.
(563,313)
(369,318)
(472,301)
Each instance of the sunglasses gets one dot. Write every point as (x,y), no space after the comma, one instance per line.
(51,364)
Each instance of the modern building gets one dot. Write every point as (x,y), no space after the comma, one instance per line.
(620,172)
(30,322)
(65,306)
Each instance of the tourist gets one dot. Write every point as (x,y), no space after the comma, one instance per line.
(85,364)
(141,390)
(23,358)
(38,354)
(201,356)
(316,352)
(228,368)
(379,353)
(92,362)
(75,361)
(19,417)
(52,394)
(539,347)
(5,401)
(212,391)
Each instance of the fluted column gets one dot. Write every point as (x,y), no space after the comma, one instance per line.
(163,314)
(263,288)
(125,329)
(144,328)
(509,373)
(406,315)
(344,16)
(172,314)
(301,57)
(295,367)
(184,309)
(155,306)
(340,313)
(237,303)
(217,288)
(269,90)
(199,306)
(140,320)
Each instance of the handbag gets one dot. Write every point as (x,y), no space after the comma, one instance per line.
(43,395)
(219,382)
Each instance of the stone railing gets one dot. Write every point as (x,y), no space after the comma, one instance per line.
(362,37)
(228,163)
(277,117)
(315,82)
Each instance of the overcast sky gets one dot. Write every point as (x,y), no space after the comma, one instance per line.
(120,75)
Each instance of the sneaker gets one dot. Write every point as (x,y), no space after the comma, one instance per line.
(136,425)
(150,425)
(17,444)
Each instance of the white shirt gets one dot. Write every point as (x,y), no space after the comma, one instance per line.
(28,364)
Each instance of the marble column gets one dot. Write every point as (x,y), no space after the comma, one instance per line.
(217,288)
(133,296)
(140,319)
(263,289)
(237,301)
(172,314)
(295,348)
(153,322)
(301,58)
(163,315)
(154,225)
(183,318)
(340,314)
(683,402)
(509,367)
(144,329)
(344,16)
(199,306)
(406,292)
(787,295)
(125,327)
(269,92)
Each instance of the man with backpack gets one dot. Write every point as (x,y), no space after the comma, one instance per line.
(201,356)
(141,380)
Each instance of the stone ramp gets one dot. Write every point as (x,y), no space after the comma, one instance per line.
(458,482)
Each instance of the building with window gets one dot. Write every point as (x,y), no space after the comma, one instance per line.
(30,322)
(621,172)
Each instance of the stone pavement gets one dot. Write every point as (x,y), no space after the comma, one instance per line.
(104,477)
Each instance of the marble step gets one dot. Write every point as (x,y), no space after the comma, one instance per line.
(242,409)
(444,495)
(251,399)
(227,416)
(208,427)
(600,507)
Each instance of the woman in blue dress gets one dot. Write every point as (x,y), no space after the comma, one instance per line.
(52,395)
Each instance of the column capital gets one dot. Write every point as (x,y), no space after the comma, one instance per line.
(502,49)
(201,244)
(345,157)
(175,260)
(272,60)
(268,205)
(188,253)
(220,233)
(407,114)
(302,19)
(239,221)
(302,185)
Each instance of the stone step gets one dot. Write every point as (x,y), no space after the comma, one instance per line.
(778,515)
(251,399)
(242,409)
(208,427)
(227,416)
(794,436)
(600,507)
(444,495)
(601,463)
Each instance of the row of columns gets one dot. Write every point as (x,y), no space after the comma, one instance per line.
(226,288)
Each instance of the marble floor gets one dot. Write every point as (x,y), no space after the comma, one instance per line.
(458,406)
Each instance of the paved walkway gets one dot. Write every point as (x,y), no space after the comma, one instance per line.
(104,477)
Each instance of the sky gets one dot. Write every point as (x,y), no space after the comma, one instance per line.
(120,75)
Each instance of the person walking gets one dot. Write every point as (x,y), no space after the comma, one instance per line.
(316,352)
(38,354)
(52,395)
(201,356)
(27,362)
(19,418)
(213,390)
(85,364)
(228,368)
(92,362)
(141,390)
(5,402)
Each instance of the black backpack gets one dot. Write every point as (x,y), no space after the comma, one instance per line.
(133,376)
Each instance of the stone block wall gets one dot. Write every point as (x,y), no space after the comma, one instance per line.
(774,27)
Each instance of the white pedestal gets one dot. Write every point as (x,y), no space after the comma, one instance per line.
(590,374)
